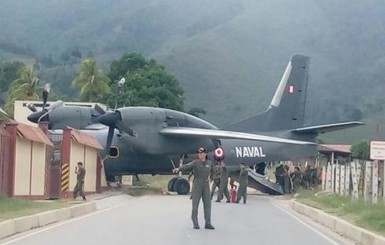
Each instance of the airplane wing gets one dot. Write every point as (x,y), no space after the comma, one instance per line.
(222,134)
(320,129)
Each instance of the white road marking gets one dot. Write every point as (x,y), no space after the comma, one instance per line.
(62,223)
(305,224)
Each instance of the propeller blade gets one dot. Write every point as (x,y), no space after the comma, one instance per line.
(46,89)
(32,107)
(45,98)
(99,109)
(111,120)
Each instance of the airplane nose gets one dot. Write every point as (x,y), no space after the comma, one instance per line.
(110,119)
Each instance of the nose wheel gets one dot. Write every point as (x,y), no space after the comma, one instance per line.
(179,185)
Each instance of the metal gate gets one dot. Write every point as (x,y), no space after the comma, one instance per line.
(53,183)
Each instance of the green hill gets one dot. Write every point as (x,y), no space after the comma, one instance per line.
(228,55)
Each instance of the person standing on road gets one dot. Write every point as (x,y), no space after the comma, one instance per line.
(203,172)
(243,181)
(223,186)
(80,172)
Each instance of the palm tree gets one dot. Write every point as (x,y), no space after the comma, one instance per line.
(91,81)
(25,87)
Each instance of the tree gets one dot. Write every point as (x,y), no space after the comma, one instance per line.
(25,87)
(196,111)
(127,63)
(360,150)
(147,83)
(8,72)
(92,82)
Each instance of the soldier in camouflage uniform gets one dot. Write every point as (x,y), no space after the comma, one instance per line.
(216,179)
(203,172)
(80,172)
(223,186)
(243,181)
(296,178)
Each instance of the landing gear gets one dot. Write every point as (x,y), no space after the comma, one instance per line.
(182,186)
(179,185)
(171,184)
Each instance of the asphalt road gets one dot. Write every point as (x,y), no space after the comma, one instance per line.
(166,220)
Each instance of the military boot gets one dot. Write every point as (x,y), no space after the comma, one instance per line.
(209,226)
(196,226)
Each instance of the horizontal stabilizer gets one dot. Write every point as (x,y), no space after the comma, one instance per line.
(320,129)
(259,182)
(222,134)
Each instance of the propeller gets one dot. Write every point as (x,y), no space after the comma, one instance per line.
(112,120)
(42,115)
(38,116)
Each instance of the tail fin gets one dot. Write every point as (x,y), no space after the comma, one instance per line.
(287,108)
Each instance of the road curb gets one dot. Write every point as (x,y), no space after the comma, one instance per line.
(13,226)
(339,226)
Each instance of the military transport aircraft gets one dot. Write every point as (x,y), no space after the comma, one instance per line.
(146,140)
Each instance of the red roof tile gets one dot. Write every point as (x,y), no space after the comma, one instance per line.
(33,133)
(86,139)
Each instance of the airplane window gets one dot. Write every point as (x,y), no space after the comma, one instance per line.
(114,151)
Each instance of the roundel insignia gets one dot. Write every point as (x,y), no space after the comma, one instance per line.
(219,154)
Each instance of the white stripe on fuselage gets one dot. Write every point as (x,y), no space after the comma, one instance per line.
(249,151)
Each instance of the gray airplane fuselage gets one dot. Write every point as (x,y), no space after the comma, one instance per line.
(131,159)
(236,152)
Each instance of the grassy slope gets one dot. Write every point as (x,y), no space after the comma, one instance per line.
(371,217)
(13,207)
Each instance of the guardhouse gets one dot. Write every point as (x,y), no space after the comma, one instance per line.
(27,161)
(77,147)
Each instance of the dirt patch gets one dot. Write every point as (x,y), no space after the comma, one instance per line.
(142,190)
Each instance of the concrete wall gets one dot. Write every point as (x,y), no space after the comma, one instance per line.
(87,155)
(29,168)
(91,167)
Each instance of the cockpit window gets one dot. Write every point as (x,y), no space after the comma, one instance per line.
(114,152)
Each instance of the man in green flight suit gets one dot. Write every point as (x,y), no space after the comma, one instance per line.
(243,179)
(203,171)
(224,180)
